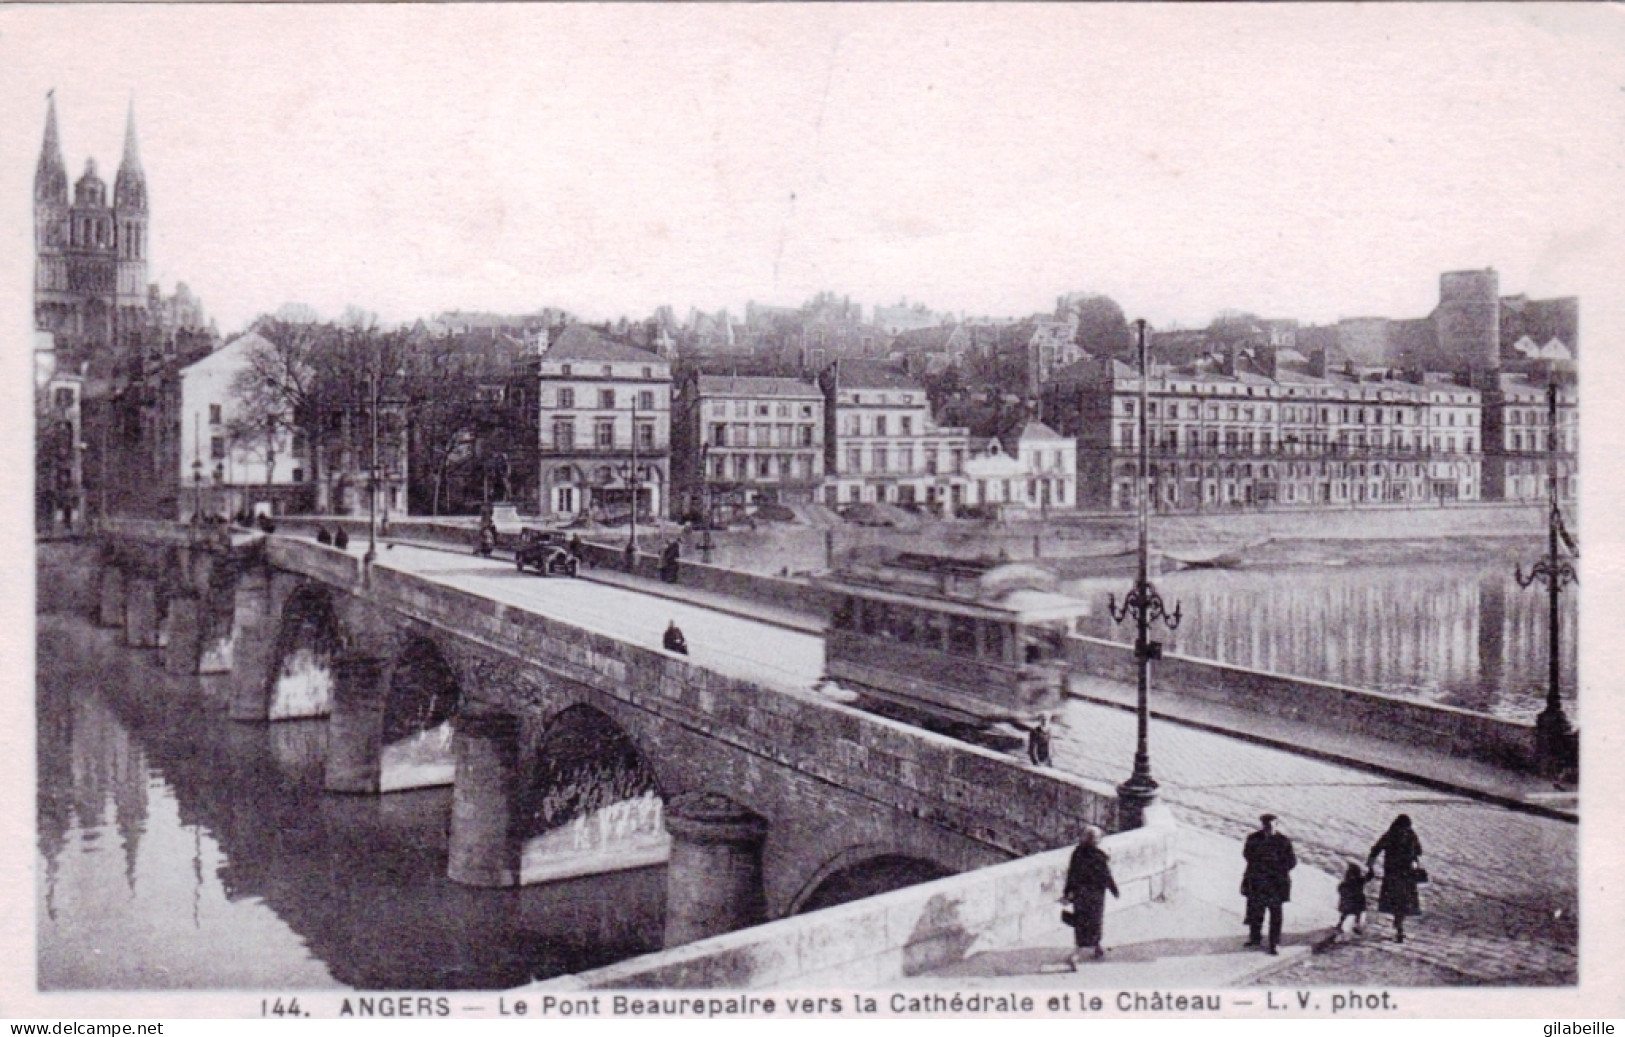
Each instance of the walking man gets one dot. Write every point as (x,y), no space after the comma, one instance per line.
(1267,882)
(668,561)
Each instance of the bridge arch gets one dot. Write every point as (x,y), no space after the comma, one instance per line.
(309,637)
(424,691)
(866,871)
(578,762)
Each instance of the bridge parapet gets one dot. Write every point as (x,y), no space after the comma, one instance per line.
(910,932)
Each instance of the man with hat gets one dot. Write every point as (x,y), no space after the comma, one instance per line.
(1267,882)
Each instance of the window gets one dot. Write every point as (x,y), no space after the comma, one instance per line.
(719,435)
(603,434)
(805,465)
(905,458)
(881,460)
(648,372)
(564,435)
(214,410)
(764,466)
(741,435)
(854,460)
(785,466)
(806,435)
(719,409)
(880,425)
(741,409)
(298,475)
(646,400)
(854,425)
(906,425)
(646,435)
(784,435)
(764,435)
(567,398)
(741,467)
(806,410)
(761,410)
(565,370)
(606,399)
(217,448)
(782,411)
(608,370)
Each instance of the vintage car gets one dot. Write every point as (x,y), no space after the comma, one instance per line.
(546,553)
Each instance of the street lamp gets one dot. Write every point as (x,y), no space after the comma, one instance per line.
(635,477)
(1145,605)
(705,490)
(1553,735)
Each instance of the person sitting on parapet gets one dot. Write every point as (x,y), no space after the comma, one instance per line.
(674,640)
(323,536)
(341,539)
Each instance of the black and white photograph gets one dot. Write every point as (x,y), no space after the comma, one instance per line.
(893,510)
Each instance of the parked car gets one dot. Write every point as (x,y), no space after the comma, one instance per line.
(544,552)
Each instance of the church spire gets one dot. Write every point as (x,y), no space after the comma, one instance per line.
(130,187)
(51,176)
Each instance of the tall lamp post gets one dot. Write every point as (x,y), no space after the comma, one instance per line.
(634,477)
(1554,737)
(1145,605)
(372,476)
(705,491)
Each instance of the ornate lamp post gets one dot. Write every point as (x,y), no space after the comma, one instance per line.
(1553,735)
(1145,605)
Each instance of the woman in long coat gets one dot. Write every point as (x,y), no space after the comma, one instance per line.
(1088,879)
(1400,849)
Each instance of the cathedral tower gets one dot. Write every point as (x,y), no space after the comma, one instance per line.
(90,279)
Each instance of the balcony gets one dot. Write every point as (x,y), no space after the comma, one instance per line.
(659,449)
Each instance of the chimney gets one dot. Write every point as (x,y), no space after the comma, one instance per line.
(1227,362)
(1317,363)
(1267,360)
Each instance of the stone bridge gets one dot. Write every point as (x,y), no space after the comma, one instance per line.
(572,751)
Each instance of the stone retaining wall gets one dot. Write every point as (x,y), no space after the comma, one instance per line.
(909,932)
(1459,732)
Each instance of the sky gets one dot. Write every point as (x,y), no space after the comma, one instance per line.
(1312,162)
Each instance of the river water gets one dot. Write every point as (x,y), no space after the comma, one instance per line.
(178,849)
(1440,622)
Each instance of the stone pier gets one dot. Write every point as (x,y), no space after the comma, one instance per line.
(183,645)
(141,617)
(714,878)
(355,727)
(110,612)
(485,848)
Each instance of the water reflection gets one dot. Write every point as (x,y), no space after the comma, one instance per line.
(180,849)
(1459,633)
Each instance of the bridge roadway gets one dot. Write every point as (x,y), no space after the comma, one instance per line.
(1503,903)
(729,644)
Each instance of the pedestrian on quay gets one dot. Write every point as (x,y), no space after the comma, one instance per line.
(674,640)
(575,547)
(1351,902)
(1038,741)
(341,539)
(1267,882)
(323,536)
(1400,850)
(668,561)
(630,556)
(1088,880)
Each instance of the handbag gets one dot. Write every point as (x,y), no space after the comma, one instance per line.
(1420,874)
(1068,918)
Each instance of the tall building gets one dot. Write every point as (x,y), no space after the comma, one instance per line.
(90,273)
(604,428)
